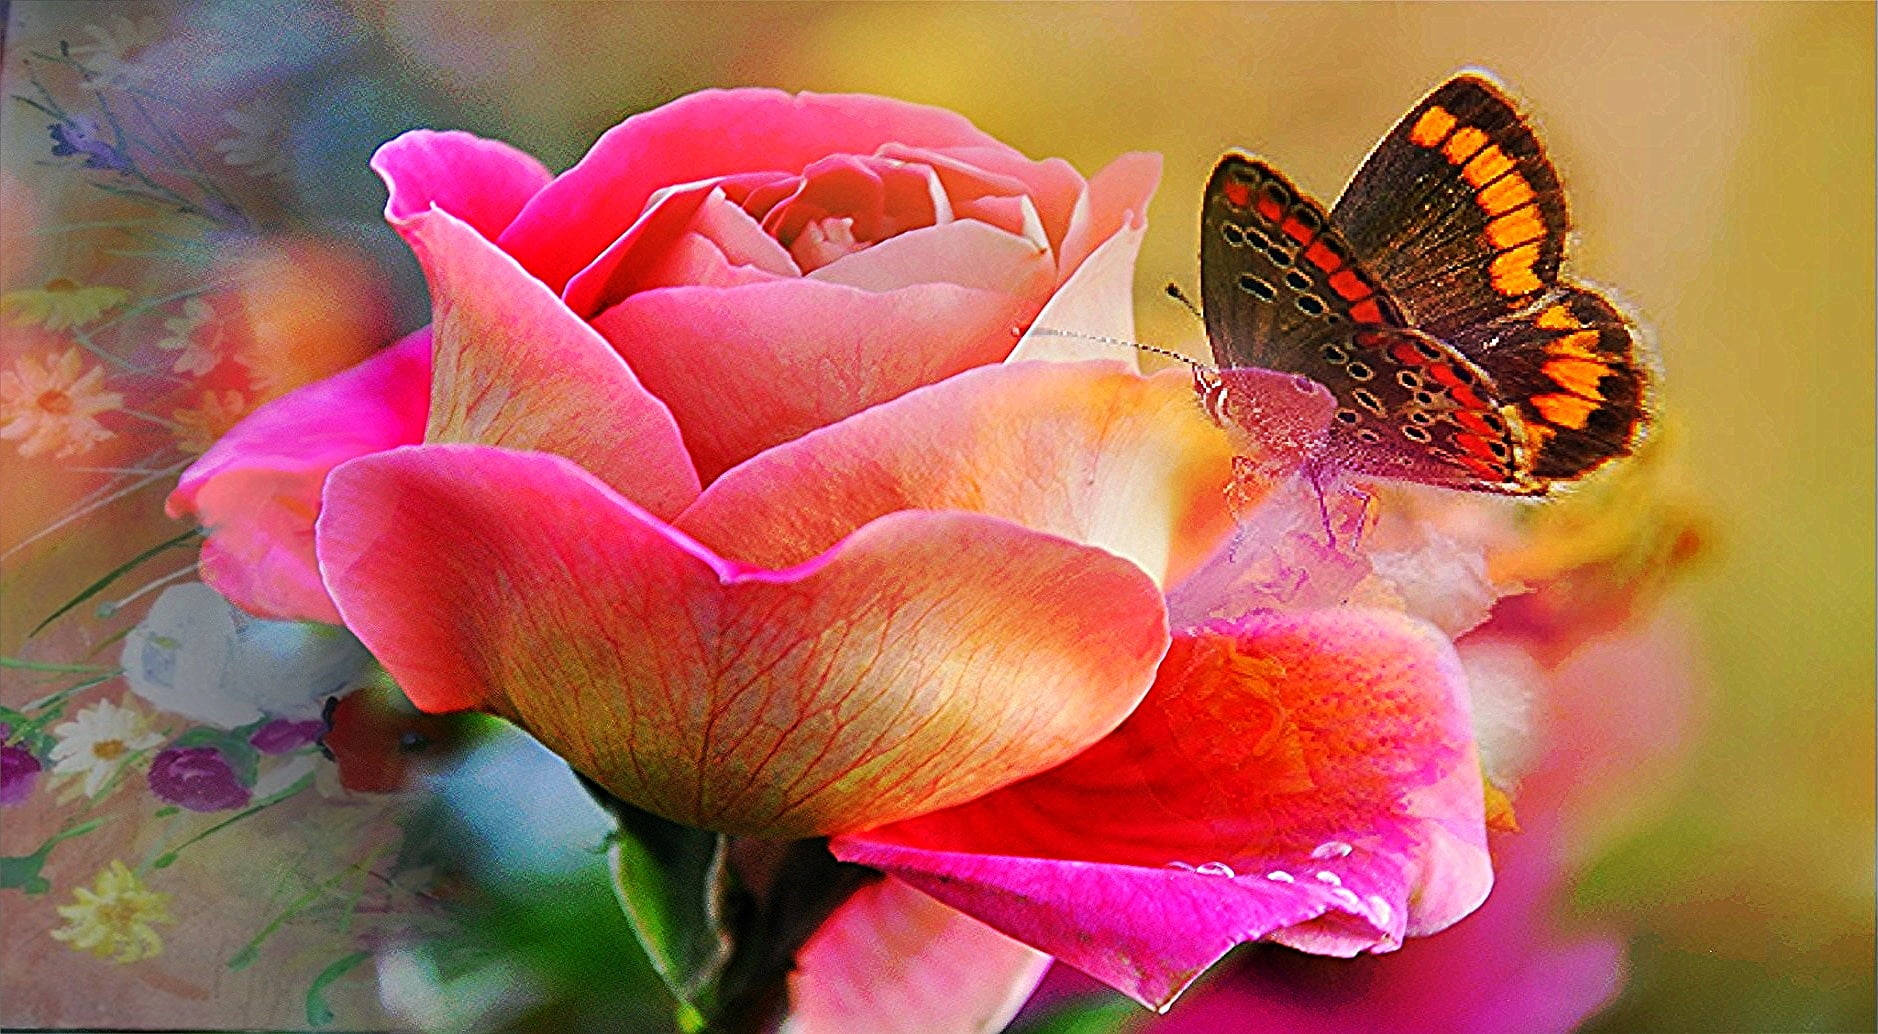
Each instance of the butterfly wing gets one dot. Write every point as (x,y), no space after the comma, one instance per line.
(1273,273)
(1457,212)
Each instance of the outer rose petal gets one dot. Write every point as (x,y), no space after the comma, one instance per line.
(1087,451)
(482,182)
(893,961)
(705,135)
(1316,770)
(1506,970)
(516,368)
(747,368)
(923,661)
(1116,200)
(1092,316)
(258,488)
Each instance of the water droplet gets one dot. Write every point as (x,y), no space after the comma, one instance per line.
(1215,869)
(1332,849)
(1326,876)
(1348,897)
(1280,876)
(1380,906)
(1182,866)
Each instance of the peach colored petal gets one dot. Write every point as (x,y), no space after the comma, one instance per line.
(747,368)
(1092,316)
(705,135)
(1117,200)
(966,252)
(1307,779)
(257,489)
(516,368)
(924,660)
(482,182)
(893,961)
(1087,451)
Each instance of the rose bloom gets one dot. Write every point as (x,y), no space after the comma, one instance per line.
(724,471)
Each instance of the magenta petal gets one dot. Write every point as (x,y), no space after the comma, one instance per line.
(705,135)
(1304,778)
(893,961)
(257,489)
(516,368)
(482,182)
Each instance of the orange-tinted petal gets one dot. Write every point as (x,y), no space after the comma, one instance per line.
(922,661)
(1087,451)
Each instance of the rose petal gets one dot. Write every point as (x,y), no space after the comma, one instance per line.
(1088,451)
(967,253)
(893,961)
(482,182)
(1308,779)
(925,660)
(257,489)
(705,135)
(1053,184)
(1092,316)
(642,259)
(1117,200)
(747,368)
(516,368)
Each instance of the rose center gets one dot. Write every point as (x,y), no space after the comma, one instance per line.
(56,402)
(108,750)
(823,241)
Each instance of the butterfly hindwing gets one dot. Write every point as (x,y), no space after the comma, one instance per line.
(1271,270)
(1458,212)
(1574,365)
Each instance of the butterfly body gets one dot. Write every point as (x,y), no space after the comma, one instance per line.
(1429,303)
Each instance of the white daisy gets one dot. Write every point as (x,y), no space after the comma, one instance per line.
(97,740)
(114,51)
(260,141)
(199,351)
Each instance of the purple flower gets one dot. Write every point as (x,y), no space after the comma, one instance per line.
(197,778)
(284,734)
(19,771)
(80,136)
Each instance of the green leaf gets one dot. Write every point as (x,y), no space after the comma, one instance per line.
(118,572)
(673,882)
(21,872)
(318,1013)
(75,669)
(1106,1014)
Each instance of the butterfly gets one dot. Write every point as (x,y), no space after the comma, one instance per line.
(1429,303)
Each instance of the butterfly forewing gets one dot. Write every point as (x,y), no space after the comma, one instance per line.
(1457,212)
(1271,270)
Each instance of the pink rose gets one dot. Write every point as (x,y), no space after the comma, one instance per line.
(728,492)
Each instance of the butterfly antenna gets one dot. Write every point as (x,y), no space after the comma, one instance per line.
(1104,339)
(1174,292)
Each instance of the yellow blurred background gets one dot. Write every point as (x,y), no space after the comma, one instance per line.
(1719,164)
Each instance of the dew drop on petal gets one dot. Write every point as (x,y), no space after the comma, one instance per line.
(1182,866)
(1215,869)
(1326,876)
(1348,897)
(1380,906)
(1332,849)
(1280,876)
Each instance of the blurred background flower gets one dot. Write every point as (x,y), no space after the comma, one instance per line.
(1718,160)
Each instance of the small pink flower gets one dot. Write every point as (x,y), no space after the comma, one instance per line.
(197,778)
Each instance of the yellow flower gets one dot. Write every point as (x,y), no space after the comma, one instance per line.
(214,413)
(53,403)
(61,303)
(113,918)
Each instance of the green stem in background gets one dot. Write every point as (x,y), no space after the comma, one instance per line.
(113,575)
(76,669)
(22,872)
(168,858)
